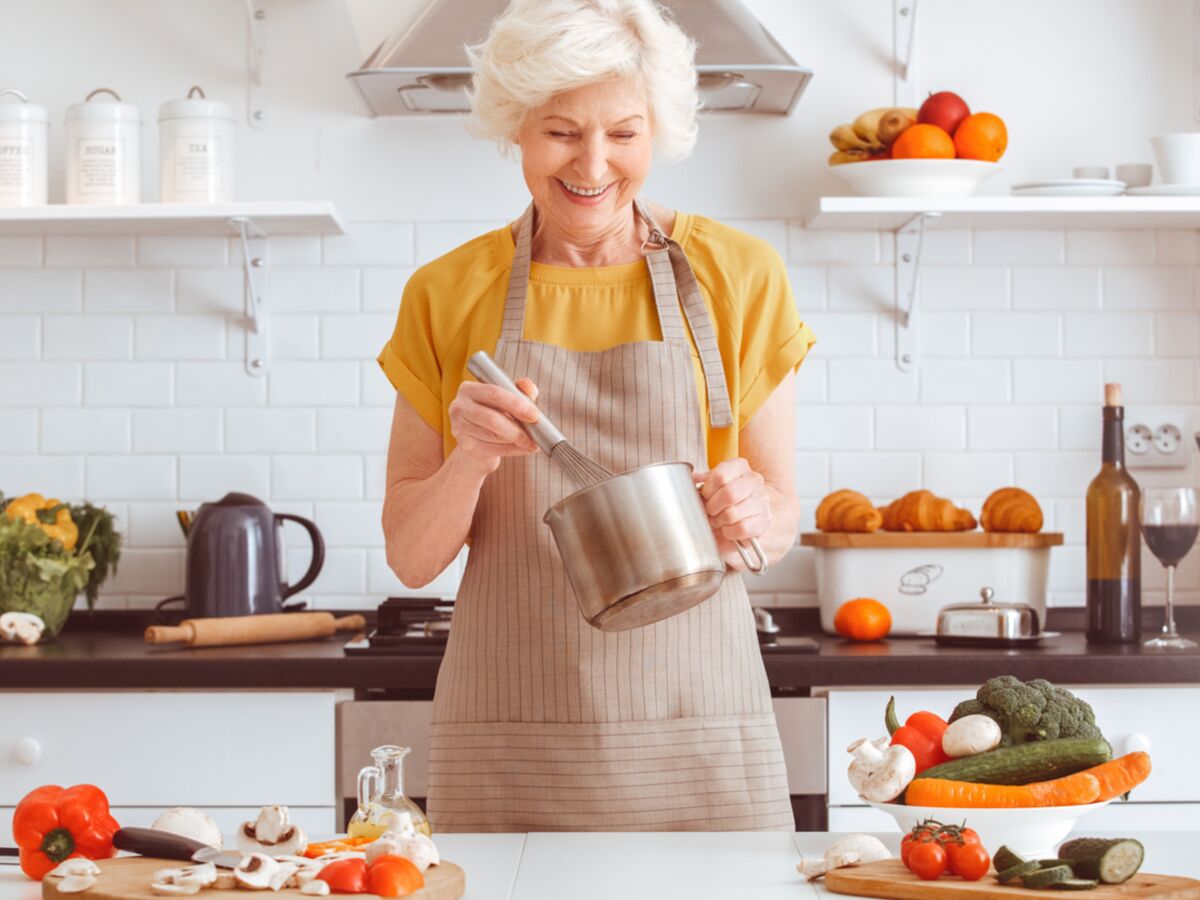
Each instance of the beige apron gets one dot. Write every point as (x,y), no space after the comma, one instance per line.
(542,722)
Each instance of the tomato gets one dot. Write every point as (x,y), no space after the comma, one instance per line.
(924,832)
(927,860)
(394,876)
(954,838)
(972,861)
(346,876)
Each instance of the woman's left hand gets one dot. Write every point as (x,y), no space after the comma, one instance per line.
(738,505)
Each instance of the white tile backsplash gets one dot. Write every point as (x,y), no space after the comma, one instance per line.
(122,379)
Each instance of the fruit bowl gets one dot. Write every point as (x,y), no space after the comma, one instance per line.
(1032,832)
(915,177)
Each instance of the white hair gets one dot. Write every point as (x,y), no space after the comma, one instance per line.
(539,48)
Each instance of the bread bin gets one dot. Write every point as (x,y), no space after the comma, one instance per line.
(916,574)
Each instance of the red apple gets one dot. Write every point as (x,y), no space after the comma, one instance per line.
(944,109)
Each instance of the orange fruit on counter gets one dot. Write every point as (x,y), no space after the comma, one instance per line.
(981,136)
(923,141)
(862,619)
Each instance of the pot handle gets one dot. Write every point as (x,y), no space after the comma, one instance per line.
(761,566)
(318,557)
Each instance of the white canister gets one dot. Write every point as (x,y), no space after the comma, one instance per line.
(24,137)
(195,140)
(103,151)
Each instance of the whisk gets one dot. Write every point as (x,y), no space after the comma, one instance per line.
(581,469)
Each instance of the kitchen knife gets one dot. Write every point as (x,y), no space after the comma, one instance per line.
(165,845)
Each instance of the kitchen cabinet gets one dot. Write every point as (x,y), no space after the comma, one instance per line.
(1132,718)
(228,752)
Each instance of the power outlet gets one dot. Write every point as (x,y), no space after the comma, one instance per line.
(1154,438)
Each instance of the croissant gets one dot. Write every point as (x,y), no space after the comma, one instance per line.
(847,511)
(925,511)
(1011,509)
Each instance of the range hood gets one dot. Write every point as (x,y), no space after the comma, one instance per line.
(422,68)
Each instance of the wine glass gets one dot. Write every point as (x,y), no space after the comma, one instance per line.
(1170,525)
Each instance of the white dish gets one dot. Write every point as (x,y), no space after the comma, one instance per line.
(1166,190)
(915,177)
(1033,832)
(1070,187)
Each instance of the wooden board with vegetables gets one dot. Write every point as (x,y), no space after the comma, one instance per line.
(130,877)
(890,879)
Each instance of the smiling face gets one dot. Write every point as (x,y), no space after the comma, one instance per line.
(585,155)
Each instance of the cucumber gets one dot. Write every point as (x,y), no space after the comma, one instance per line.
(1008,873)
(1047,863)
(1006,859)
(1111,860)
(1025,763)
(1047,878)
(1077,884)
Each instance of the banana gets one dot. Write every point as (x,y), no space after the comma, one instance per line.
(866,126)
(844,138)
(848,156)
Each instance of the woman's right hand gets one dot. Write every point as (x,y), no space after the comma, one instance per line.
(484,422)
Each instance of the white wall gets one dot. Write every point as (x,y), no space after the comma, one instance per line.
(120,363)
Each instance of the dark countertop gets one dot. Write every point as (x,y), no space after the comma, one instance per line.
(109,653)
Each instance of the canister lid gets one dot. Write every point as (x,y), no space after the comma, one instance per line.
(20,109)
(103,109)
(192,107)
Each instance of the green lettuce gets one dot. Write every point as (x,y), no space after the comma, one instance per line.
(38,575)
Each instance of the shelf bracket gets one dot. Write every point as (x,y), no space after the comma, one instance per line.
(256,109)
(254,286)
(908,239)
(904,31)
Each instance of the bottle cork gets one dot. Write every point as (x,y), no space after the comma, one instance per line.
(1112,395)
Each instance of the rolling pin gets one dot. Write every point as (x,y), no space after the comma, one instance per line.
(262,629)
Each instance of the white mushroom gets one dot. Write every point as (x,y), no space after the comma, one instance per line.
(164,887)
(22,628)
(73,884)
(316,888)
(418,849)
(970,735)
(76,865)
(846,851)
(256,872)
(283,875)
(271,834)
(226,880)
(878,772)
(191,823)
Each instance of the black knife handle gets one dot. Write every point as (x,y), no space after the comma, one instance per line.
(152,842)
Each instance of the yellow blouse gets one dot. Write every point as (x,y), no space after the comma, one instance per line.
(453,307)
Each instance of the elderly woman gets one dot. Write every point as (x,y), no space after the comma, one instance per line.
(540,721)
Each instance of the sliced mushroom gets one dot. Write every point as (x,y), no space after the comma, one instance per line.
(73,884)
(271,833)
(304,875)
(283,875)
(22,628)
(226,880)
(166,887)
(76,865)
(316,888)
(256,872)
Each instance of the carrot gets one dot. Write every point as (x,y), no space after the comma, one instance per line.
(1069,790)
(1121,774)
(339,845)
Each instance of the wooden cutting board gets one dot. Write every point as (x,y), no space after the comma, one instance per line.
(890,879)
(129,877)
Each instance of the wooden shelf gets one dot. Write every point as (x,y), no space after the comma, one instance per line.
(926,540)
(269,219)
(890,213)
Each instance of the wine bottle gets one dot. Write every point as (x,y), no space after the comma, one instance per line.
(1114,541)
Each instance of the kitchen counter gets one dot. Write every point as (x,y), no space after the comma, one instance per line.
(84,658)
(761,866)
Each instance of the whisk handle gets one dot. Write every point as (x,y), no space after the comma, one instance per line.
(543,432)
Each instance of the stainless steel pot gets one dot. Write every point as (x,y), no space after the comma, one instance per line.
(638,547)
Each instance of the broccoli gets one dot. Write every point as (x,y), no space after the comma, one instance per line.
(1030,711)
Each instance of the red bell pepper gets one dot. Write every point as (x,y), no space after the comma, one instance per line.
(921,733)
(52,824)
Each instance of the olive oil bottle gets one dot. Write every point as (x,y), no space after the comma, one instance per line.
(1114,539)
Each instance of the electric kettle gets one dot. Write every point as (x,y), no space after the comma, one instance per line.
(235,564)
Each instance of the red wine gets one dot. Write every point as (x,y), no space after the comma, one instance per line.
(1170,543)
(1114,541)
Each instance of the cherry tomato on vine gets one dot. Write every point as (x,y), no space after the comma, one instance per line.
(927,860)
(972,862)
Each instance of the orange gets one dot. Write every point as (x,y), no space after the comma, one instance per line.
(863,619)
(923,141)
(981,136)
